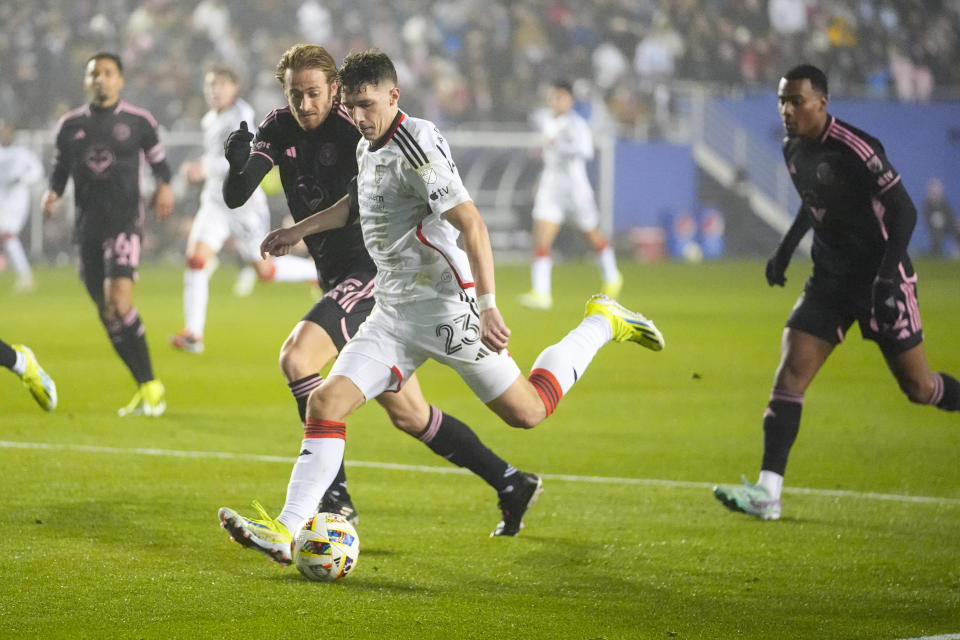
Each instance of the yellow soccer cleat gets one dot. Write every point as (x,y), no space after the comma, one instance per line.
(36,380)
(149,400)
(627,325)
(612,288)
(266,535)
(536,300)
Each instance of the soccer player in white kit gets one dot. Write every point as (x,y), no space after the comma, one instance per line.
(215,222)
(565,190)
(19,169)
(414,211)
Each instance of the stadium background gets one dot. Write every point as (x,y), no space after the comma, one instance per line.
(681,96)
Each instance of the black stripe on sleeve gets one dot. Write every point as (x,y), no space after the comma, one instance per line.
(414,146)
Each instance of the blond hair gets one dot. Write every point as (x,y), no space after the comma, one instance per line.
(306,56)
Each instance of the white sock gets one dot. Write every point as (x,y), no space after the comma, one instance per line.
(772,482)
(294,269)
(540,271)
(20,365)
(311,476)
(608,264)
(568,359)
(18,259)
(196,293)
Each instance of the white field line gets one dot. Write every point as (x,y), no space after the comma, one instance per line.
(946,636)
(656,482)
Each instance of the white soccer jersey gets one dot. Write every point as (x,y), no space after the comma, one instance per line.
(403,186)
(216,127)
(568,145)
(19,168)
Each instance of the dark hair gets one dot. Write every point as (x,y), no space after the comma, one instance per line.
(817,78)
(563,84)
(103,55)
(225,71)
(306,56)
(367,67)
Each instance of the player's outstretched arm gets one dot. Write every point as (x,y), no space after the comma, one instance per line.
(780,260)
(494,333)
(247,168)
(279,241)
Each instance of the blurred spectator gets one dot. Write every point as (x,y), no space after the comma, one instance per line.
(942,225)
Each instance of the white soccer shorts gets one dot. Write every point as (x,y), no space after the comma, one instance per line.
(247,225)
(558,199)
(14,208)
(393,341)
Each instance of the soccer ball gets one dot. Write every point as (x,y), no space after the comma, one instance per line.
(326,548)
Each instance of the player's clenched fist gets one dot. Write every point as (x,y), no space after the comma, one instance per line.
(236,148)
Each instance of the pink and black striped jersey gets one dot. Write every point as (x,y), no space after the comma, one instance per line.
(841,177)
(101,149)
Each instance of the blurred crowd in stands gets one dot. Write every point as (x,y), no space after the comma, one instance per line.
(479,60)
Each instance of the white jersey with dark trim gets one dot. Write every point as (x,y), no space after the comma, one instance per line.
(405,182)
(216,127)
(567,146)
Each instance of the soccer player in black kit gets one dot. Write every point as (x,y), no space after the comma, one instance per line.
(99,145)
(313,142)
(862,220)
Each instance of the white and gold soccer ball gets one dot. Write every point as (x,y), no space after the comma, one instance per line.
(326,548)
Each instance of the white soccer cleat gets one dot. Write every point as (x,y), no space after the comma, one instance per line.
(536,300)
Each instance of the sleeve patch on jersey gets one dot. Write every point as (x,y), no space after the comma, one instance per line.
(427,173)
(875,164)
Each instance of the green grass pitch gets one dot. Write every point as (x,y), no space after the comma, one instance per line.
(107,532)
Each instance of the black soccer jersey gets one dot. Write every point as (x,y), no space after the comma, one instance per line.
(840,178)
(101,148)
(316,168)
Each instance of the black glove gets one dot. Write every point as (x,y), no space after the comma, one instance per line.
(885,308)
(236,148)
(776,269)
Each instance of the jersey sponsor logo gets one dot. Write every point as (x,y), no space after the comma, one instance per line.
(442,192)
(99,159)
(121,131)
(311,194)
(875,164)
(427,173)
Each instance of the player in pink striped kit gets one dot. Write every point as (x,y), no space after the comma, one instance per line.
(100,145)
(862,220)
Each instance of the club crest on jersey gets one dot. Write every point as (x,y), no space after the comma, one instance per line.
(875,164)
(825,173)
(427,173)
(379,172)
(327,155)
(121,131)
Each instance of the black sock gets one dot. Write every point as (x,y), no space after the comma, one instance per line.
(8,357)
(338,488)
(781,422)
(950,395)
(448,437)
(301,391)
(129,340)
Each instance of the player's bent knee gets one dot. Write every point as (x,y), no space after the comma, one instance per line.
(196,262)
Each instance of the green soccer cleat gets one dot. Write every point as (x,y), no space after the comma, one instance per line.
(536,300)
(627,325)
(268,536)
(40,385)
(748,498)
(149,400)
